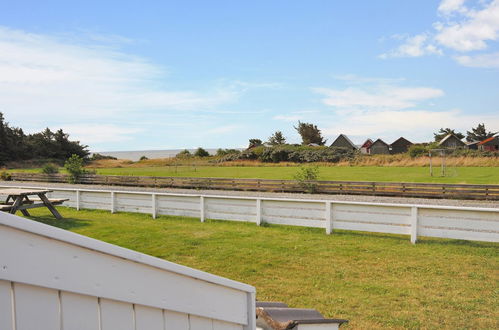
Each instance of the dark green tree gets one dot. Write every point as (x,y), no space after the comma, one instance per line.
(478,134)
(277,139)
(254,143)
(310,134)
(443,132)
(200,152)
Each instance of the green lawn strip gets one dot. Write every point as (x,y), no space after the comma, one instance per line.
(478,175)
(374,280)
(484,175)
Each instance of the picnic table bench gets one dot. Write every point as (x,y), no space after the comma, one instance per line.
(22,200)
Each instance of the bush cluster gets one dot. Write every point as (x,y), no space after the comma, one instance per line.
(292,153)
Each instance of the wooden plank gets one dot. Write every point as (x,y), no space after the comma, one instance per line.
(200,323)
(148,318)
(371,227)
(116,315)
(176,321)
(6,310)
(36,308)
(79,312)
(459,234)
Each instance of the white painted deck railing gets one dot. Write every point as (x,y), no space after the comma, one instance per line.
(52,279)
(467,223)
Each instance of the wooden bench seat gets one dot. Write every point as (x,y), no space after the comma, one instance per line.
(5,207)
(53,201)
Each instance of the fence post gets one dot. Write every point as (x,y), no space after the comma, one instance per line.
(258,211)
(112,202)
(77,200)
(153,206)
(329,218)
(201,208)
(414,224)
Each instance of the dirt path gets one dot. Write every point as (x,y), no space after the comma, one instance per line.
(354,198)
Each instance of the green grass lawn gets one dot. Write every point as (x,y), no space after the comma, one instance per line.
(374,280)
(484,175)
(479,175)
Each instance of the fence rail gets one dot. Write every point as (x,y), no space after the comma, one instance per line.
(468,223)
(400,189)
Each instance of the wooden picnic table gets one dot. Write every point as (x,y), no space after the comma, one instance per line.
(22,200)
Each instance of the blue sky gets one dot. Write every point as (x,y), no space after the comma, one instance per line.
(180,74)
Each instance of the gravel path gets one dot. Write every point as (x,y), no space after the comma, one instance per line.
(352,198)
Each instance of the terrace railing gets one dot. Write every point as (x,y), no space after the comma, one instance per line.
(52,279)
(400,189)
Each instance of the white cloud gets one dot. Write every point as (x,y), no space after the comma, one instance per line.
(223,129)
(414,46)
(53,78)
(464,27)
(377,97)
(95,133)
(479,61)
(450,6)
(288,118)
(473,31)
(412,124)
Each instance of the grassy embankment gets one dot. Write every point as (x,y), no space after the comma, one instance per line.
(374,280)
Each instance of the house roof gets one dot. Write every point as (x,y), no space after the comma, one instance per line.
(380,141)
(367,143)
(489,139)
(401,139)
(346,138)
(448,136)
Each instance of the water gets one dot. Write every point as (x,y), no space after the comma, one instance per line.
(151,154)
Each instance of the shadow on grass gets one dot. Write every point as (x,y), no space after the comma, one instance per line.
(456,242)
(65,223)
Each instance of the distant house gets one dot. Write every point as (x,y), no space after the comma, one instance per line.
(400,145)
(451,142)
(379,147)
(364,148)
(490,144)
(342,141)
(473,145)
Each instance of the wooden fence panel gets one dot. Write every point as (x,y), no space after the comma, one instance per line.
(36,307)
(6,311)
(148,318)
(79,312)
(230,209)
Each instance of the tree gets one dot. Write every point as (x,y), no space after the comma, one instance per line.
(254,143)
(277,139)
(310,134)
(478,134)
(443,132)
(200,152)
(74,166)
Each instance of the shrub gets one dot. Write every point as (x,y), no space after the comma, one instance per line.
(184,154)
(97,156)
(200,152)
(74,166)
(5,176)
(307,178)
(50,168)
(417,150)
(143,158)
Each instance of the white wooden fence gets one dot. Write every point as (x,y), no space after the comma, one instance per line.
(52,279)
(468,223)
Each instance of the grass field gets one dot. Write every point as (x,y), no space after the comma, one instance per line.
(374,280)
